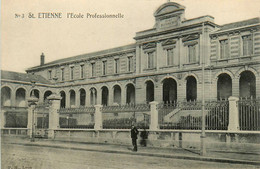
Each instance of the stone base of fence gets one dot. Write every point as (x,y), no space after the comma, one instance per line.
(215,140)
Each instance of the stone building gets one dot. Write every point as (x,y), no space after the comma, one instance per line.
(164,65)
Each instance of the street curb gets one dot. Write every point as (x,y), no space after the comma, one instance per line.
(210,159)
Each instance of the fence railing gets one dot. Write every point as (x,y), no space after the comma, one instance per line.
(122,116)
(187,115)
(76,110)
(126,108)
(16,118)
(173,115)
(249,114)
(77,118)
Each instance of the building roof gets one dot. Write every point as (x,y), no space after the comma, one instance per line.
(240,24)
(86,56)
(24,77)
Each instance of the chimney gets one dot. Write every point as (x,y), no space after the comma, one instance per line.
(42,59)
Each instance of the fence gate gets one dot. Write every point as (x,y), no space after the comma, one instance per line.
(41,121)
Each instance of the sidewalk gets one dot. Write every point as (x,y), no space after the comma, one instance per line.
(177,153)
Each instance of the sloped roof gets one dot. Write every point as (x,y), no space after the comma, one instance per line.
(87,55)
(239,24)
(24,77)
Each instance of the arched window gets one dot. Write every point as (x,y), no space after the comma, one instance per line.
(117,94)
(63,99)
(169,90)
(247,84)
(72,98)
(224,86)
(36,93)
(104,95)
(5,96)
(149,91)
(130,94)
(191,88)
(93,96)
(82,97)
(20,97)
(46,95)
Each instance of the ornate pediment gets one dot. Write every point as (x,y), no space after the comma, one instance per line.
(191,37)
(168,42)
(149,45)
(169,15)
(170,7)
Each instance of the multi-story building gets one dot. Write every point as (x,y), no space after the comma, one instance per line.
(164,65)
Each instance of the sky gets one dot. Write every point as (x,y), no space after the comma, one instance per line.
(24,39)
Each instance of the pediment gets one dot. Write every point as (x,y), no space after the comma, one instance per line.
(169,7)
(149,45)
(168,42)
(190,37)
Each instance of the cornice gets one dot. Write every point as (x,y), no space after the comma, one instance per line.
(121,53)
(235,30)
(27,83)
(177,29)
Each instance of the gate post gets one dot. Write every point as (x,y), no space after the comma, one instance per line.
(30,120)
(98,117)
(32,101)
(233,122)
(53,114)
(3,119)
(154,116)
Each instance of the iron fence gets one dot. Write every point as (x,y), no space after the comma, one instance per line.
(77,118)
(16,118)
(122,116)
(249,113)
(187,115)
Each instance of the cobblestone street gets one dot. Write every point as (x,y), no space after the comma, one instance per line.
(36,157)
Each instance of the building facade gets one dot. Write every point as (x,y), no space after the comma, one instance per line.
(164,65)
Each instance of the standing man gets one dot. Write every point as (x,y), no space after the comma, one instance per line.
(134,133)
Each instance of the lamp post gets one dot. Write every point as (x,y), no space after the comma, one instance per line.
(203,125)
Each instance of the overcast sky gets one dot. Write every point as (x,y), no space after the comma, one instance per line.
(24,39)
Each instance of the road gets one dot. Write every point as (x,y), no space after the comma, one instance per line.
(32,157)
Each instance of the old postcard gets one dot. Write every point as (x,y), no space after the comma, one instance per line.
(130,84)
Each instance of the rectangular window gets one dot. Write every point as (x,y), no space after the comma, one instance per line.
(50,74)
(150,59)
(81,71)
(247,45)
(62,74)
(130,64)
(224,51)
(104,67)
(192,53)
(170,57)
(71,73)
(93,68)
(116,66)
